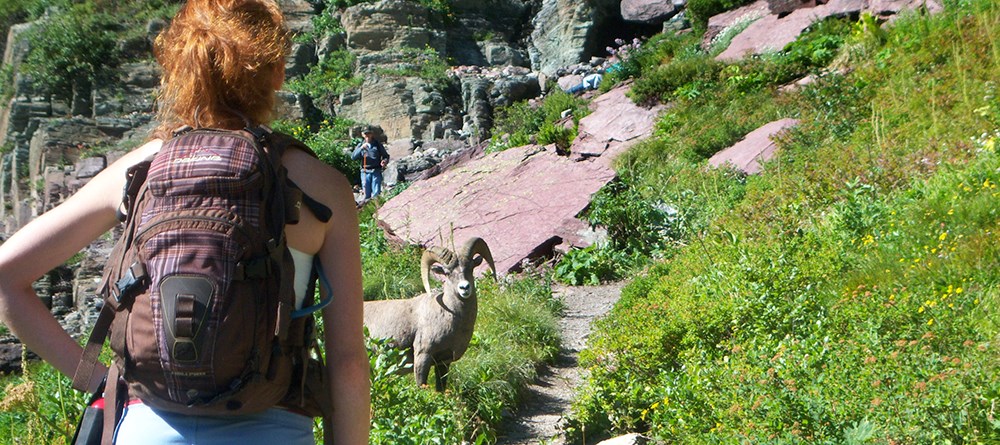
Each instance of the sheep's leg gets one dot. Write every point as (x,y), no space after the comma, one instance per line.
(422,367)
(441,371)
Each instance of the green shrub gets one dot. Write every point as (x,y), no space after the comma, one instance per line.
(329,78)
(73,51)
(661,83)
(597,264)
(514,124)
(561,136)
(818,46)
(633,222)
(699,11)
(331,141)
(425,64)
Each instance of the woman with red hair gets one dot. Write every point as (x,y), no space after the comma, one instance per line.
(222,62)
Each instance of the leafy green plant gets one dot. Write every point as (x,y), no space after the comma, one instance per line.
(661,82)
(818,46)
(595,264)
(562,137)
(329,78)
(403,413)
(514,124)
(633,222)
(331,141)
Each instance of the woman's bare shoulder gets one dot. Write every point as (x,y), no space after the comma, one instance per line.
(108,184)
(317,179)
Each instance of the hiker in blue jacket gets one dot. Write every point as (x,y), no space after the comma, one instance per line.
(373,158)
(590,82)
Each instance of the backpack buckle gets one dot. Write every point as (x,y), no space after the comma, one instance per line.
(255,269)
(126,286)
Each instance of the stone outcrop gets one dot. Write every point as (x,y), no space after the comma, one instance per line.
(652,12)
(773,31)
(719,22)
(754,149)
(782,7)
(567,32)
(389,24)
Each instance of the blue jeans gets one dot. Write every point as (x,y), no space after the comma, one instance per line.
(146,426)
(371,182)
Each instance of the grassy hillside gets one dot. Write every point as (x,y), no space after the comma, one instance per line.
(850,293)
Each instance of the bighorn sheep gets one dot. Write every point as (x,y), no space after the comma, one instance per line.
(435,327)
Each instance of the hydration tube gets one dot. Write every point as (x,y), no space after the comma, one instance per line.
(326,286)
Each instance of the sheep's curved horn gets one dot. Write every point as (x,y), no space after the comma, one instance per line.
(434,255)
(477,245)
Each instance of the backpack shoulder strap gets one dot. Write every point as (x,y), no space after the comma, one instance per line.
(280,142)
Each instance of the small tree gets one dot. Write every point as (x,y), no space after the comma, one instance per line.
(71,51)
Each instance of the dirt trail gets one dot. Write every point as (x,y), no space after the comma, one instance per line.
(539,419)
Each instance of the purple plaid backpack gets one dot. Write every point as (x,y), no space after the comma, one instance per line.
(198,290)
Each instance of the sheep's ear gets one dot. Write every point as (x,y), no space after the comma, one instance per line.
(437,268)
(477,261)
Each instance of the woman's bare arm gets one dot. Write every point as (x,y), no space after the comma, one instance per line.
(47,242)
(340,255)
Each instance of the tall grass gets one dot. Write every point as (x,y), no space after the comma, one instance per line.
(849,296)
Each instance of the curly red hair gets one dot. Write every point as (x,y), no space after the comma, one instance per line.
(221,60)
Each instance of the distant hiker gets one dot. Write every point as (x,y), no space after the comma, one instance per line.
(222,61)
(373,158)
(590,82)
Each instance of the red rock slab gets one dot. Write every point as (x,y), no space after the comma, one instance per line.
(522,201)
(615,124)
(756,147)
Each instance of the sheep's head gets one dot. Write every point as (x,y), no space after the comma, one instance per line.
(458,270)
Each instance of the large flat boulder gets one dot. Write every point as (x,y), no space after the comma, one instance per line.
(719,22)
(523,201)
(754,149)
